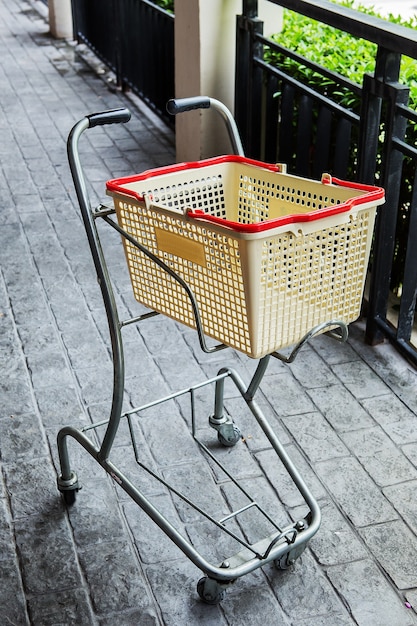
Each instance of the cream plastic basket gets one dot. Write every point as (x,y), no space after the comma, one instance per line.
(267,255)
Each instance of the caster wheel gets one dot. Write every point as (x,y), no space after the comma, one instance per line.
(69,496)
(287,560)
(210,591)
(229,436)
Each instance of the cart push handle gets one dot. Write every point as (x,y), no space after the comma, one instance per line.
(115,116)
(180,105)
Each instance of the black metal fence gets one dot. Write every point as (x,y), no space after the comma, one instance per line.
(284,119)
(134,38)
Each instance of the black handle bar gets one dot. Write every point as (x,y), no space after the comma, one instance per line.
(115,116)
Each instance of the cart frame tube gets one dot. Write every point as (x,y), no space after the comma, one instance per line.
(107,293)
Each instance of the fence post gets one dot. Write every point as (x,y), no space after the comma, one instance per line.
(246,25)
(386,95)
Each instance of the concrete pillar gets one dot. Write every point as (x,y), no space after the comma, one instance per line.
(205,40)
(60,19)
(204,65)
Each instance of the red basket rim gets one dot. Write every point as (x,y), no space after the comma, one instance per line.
(371,194)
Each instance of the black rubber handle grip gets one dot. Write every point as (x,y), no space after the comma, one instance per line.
(115,116)
(187,104)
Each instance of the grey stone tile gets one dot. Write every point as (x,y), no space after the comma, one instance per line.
(336,541)
(237,459)
(113,577)
(61,607)
(85,349)
(171,442)
(214,543)
(144,617)
(95,516)
(123,457)
(403,498)
(410,452)
(12,600)
(341,619)
(403,432)
(161,336)
(387,409)
(384,462)
(201,490)
(398,374)
(7,547)
(153,545)
(144,389)
(340,408)
(16,397)
(315,436)
(21,436)
(251,430)
(254,524)
(303,591)
(410,597)
(38,335)
(333,353)
(138,361)
(310,370)
(239,608)
(174,587)
(49,368)
(286,395)
(369,596)
(186,372)
(395,418)
(395,547)
(59,406)
(96,384)
(46,553)
(360,380)
(357,494)
(284,483)
(32,487)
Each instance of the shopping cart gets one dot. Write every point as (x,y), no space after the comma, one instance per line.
(255,259)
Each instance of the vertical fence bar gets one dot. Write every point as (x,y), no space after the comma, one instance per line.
(322,143)
(409,288)
(384,242)
(286,147)
(304,136)
(342,148)
(248,80)
(269,147)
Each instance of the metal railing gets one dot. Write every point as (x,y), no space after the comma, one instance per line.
(135,39)
(283,118)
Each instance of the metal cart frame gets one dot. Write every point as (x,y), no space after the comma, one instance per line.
(285,544)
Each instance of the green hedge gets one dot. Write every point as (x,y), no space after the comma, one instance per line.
(337,51)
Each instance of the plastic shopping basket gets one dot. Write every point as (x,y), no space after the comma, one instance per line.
(267,255)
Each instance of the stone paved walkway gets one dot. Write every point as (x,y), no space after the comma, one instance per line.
(347,414)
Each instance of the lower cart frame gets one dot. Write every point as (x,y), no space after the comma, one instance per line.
(285,544)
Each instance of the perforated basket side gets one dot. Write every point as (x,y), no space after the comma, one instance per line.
(208,261)
(309,279)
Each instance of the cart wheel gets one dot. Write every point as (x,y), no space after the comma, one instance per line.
(229,436)
(288,559)
(210,591)
(69,496)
